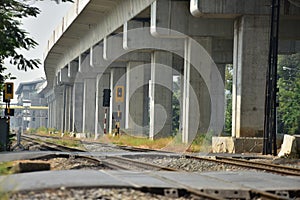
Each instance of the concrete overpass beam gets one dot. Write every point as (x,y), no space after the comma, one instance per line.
(289,29)
(222,50)
(162,14)
(160,91)
(73,69)
(98,60)
(113,47)
(251,47)
(64,78)
(288,46)
(174,15)
(228,8)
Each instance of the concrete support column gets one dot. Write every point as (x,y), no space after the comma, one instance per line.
(67,107)
(196,98)
(160,90)
(89,105)
(222,69)
(58,121)
(77,107)
(117,82)
(251,46)
(53,124)
(49,113)
(137,91)
(102,83)
(50,99)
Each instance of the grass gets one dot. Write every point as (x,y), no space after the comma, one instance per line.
(68,142)
(137,142)
(170,143)
(200,143)
(6,168)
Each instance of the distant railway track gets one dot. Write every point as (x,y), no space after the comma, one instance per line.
(50,145)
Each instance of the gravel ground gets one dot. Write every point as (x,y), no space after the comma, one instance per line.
(180,163)
(98,147)
(100,194)
(78,163)
(190,165)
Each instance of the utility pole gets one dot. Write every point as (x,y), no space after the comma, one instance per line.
(271,102)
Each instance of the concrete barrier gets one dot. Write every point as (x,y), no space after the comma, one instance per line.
(290,146)
(237,145)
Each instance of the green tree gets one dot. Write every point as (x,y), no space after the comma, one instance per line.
(289,94)
(13,38)
(228,97)
(176,106)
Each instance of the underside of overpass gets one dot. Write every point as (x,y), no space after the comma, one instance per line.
(138,48)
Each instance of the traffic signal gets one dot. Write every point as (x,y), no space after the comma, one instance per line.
(106,97)
(8,92)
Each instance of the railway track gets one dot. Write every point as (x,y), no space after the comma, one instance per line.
(50,145)
(278,169)
(267,167)
(121,163)
(130,164)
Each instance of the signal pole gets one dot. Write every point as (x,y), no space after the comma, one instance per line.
(271,103)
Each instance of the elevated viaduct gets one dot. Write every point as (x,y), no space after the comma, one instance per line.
(135,48)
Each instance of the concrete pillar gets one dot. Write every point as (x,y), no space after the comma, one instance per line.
(89,105)
(196,98)
(53,114)
(251,46)
(198,115)
(58,123)
(137,91)
(160,90)
(103,82)
(77,110)
(49,113)
(67,107)
(117,80)
(70,104)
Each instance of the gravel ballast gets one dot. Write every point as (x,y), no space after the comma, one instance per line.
(96,193)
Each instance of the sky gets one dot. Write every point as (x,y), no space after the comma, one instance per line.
(40,29)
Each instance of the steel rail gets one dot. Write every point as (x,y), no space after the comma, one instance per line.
(258,163)
(250,165)
(51,145)
(139,164)
(120,161)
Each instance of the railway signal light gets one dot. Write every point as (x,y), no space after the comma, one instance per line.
(106,97)
(8,92)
